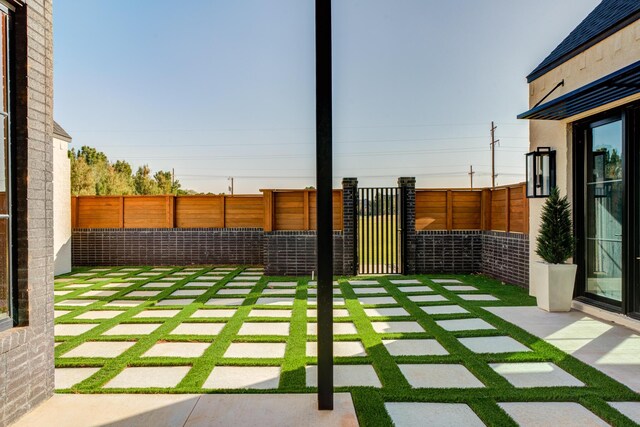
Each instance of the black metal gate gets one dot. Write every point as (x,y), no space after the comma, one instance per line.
(380,242)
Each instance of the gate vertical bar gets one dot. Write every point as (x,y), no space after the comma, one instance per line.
(324,178)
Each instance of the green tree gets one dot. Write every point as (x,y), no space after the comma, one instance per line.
(143,183)
(555,242)
(82,180)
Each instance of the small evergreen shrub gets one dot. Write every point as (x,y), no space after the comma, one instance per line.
(555,242)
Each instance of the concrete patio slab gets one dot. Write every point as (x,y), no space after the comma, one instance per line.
(213,312)
(68,377)
(118,285)
(446,281)
(113,410)
(340,349)
(236,291)
(367,291)
(411,414)
(464,324)
(346,376)
(535,374)
(629,409)
(188,292)
(566,414)
(72,330)
(239,284)
(405,281)
(493,345)
(339,328)
(277,301)
(376,300)
(133,329)
(279,291)
(147,377)
(439,376)
(225,301)
(243,377)
(478,297)
(177,349)
(459,288)
(364,282)
(99,314)
(384,312)
(407,347)
(200,284)
(443,309)
(256,350)
(100,349)
(396,327)
(427,298)
(76,302)
(264,328)
(198,329)
(156,314)
(282,410)
(143,294)
(270,313)
(610,348)
(414,289)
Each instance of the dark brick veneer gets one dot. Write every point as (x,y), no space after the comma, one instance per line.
(505,256)
(161,246)
(293,253)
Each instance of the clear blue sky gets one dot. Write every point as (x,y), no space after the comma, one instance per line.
(226,87)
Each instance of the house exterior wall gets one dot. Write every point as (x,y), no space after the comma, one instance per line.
(611,54)
(61,207)
(26,351)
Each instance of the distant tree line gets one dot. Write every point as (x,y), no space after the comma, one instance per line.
(93,174)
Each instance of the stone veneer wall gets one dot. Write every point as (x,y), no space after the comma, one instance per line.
(503,256)
(162,246)
(26,351)
(293,253)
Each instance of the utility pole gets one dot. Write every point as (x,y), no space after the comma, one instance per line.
(471,173)
(173,177)
(231,185)
(494,141)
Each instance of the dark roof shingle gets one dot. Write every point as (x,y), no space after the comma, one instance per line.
(60,132)
(608,15)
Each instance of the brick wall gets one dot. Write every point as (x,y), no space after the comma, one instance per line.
(26,351)
(293,253)
(505,256)
(161,246)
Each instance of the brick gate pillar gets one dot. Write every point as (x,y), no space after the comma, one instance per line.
(349,226)
(408,193)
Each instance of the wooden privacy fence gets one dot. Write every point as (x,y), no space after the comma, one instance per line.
(502,209)
(272,210)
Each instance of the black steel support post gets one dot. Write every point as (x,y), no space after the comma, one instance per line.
(324,177)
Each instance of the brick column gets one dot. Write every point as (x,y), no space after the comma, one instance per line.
(408,191)
(349,226)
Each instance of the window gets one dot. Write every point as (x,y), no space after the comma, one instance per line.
(6,297)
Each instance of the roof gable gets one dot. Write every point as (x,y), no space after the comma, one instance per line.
(608,17)
(59,132)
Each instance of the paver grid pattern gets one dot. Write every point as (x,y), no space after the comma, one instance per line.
(417,339)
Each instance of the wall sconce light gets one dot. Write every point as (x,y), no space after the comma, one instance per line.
(541,172)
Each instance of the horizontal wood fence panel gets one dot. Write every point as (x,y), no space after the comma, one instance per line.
(431,210)
(337,210)
(244,212)
(148,212)
(200,212)
(98,212)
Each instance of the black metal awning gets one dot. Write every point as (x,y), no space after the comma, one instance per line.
(615,86)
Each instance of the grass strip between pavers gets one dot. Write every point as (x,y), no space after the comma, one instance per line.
(369,401)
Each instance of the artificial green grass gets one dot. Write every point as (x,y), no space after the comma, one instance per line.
(369,401)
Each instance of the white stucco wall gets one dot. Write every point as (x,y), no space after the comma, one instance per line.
(611,54)
(61,207)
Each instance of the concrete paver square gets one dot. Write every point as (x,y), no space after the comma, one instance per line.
(237,291)
(76,302)
(384,312)
(99,349)
(629,409)
(177,349)
(146,377)
(540,414)
(414,289)
(337,312)
(256,350)
(225,301)
(199,284)
(405,281)
(364,282)
(77,285)
(60,293)
(99,314)
(156,314)
(459,288)
(243,377)
(439,376)
(188,292)
(247,278)
(493,345)
(58,313)
(396,327)
(72,330)
(340,349)
(535,374)
(117,285)
(464,324)
(240,285)
(478,297)
(279,291)
(198,329)
(314,291)
(346,376)
(68,377)
(443,309)
(175,301)
(208,313)
(376,300)
(144,294)
(254,328)
(410,414)
(446,281)
(421,347)
(280,301)
(282,284)
(132,329)
(124,303)
(99,293)
(427,298)
(270,313)
(314,301)
(339,328)
(367,291)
